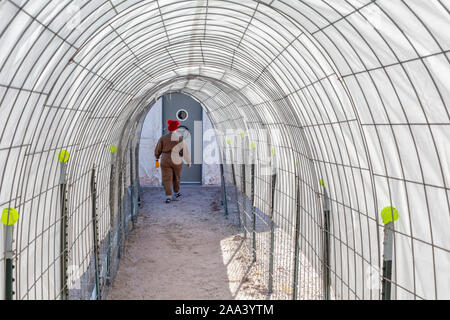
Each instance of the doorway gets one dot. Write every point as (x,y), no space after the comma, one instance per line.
(178,106)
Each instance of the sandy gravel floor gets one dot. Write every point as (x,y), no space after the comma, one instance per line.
(185,250)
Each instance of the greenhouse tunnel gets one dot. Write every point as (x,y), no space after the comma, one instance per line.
(347,100)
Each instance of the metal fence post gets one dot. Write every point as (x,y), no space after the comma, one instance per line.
(224,190)
(9,269)
(327,236)
(8,264)
(387,261)
(64,226)
(9,220)
(297,238)
(244,201)
(389,215)
(137,183)
(113,150)
(108,258)
(253,213)
(132,204)
(120,214)
(236,194)
(95,233)
(272,232)
(123,204)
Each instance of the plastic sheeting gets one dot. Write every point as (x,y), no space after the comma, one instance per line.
(354,92)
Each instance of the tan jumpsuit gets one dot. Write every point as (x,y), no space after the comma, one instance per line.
(170,146)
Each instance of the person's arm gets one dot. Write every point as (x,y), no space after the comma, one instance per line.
(158,149)
(186,154)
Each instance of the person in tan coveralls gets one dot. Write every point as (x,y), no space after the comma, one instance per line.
(173,150)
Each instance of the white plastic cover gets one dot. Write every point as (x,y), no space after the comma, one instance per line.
(354,92)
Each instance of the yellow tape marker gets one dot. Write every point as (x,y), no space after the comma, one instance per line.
(242,135)
(273,151)
(252,145)
(113,149)
(321,182)
(229,142)
(63,156)
(10,216)
(388,213)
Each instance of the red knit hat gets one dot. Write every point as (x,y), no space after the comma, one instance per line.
(173,125)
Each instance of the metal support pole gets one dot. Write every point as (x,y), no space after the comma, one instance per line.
(236,193)
(326,249)
(111,218)
(253,213)
(120,219)
(9,254)
(224,190)
(244,201)
(108,259)
(297,239)
(63,238)
(123,209)
(95,232)
(136,181)
(272,232)
(387,261)
(132,204)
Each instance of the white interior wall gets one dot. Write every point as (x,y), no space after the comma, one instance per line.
(151,132)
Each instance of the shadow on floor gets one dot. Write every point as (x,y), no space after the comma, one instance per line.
(184,250)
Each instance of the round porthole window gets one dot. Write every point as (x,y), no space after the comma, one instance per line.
(182,115)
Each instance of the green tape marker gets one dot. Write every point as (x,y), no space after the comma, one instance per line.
(322,183)
(63,156)
(388,213)
(113,149)
(9,216)
(131,137)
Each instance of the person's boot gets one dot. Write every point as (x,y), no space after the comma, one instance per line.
(168,200)
(176,197)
